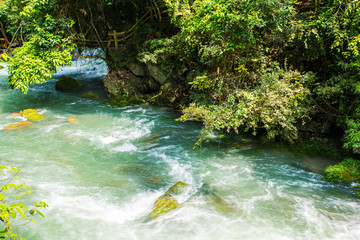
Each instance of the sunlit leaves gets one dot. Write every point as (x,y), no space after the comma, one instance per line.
(12,208)
(46,46)
(275,104)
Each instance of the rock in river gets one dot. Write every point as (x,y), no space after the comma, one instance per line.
(67,84)
(32,115)
(163,204)
(166,203)
(18,125)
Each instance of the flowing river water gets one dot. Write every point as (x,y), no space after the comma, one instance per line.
(100,177)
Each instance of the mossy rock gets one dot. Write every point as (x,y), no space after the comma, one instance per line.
(123,101)
(90,95)
(72,119)
(345,172)
(163,204)
(357,191)
(18,125)
(32,115)
(177,188)
(67,84)
(2,67)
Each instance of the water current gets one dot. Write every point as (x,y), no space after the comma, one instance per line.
(100,177)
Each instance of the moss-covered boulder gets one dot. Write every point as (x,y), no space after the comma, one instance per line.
(1,67)
(90,95)
(166,203)
(163,204)
(32,115)
(18,125)
(67,84)
(72,119)
(177,188)
(345,172)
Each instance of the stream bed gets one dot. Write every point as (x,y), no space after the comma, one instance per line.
(101,176)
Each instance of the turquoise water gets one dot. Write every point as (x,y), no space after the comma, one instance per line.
(100,177)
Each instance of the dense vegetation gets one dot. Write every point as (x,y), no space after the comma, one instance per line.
(263,66)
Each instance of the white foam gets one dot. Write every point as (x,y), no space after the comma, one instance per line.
(126,147)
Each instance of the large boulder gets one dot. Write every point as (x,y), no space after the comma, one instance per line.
(124,88)
(170,94)
(32,115)
(137,69)
(18,125)
(156,73)
(67,84)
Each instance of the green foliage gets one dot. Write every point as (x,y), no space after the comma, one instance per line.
(319,147)
(11,207)
(3,58)
(327,42)
(46,43)
(30,66)
(344,172)
(275,103)
(222,34)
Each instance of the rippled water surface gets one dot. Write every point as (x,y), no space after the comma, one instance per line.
(101,176)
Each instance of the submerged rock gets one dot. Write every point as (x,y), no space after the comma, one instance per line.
(32,115)
(163,204)
(72,119)
(67,84)
(18,125)
(215,200)
(90,95)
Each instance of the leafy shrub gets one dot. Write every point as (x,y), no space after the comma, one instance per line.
(346,171)
(274,103)
(11,207)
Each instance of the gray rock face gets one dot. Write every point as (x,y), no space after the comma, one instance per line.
(137,69)
(156,73)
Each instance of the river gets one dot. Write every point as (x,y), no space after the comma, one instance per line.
(100,177)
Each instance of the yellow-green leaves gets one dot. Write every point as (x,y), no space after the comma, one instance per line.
(12,208)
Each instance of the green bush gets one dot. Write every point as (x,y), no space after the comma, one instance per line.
(275,103)
(11,207)
(344,172)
